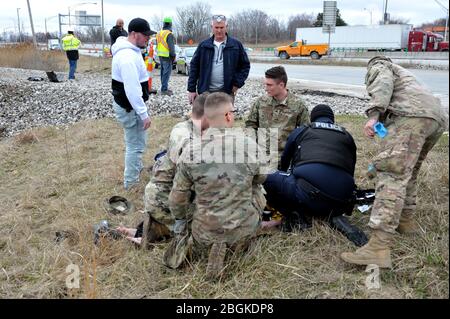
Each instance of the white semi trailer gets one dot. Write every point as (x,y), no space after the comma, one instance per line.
(373,37)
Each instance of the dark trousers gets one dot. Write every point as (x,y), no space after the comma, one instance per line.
(166,70)
(289,192)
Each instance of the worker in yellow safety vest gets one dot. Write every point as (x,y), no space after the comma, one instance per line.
(166,53)
(71,44)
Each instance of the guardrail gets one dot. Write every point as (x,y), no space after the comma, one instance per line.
(362,53)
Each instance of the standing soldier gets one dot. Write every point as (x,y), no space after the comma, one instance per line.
(415,121)
(166,54)
(70,45)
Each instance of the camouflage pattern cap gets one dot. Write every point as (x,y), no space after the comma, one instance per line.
(377,58)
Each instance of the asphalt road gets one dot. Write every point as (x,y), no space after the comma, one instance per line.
(436,81)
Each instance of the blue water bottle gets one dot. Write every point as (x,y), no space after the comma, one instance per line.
(380,130)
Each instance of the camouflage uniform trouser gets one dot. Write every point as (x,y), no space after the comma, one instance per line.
(156,203)
(185,247)
(259,199)
(408,142)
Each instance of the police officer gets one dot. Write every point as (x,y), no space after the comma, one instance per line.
(317,168)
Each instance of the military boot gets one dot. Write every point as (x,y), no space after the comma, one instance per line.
(407,225)
(215,260)
(376,251)
(153,232)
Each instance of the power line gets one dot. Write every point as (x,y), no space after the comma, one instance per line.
(446,9)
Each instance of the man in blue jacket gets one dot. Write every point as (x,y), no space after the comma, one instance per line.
(220,63)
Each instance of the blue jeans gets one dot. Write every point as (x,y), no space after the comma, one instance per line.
(166,70)
(135,142)
(72,68)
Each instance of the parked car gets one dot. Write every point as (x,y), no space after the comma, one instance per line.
(184,60)
(156,57)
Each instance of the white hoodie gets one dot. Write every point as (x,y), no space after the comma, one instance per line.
(128,67)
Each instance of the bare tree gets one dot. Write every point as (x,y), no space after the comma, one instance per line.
(92,34)
(252,26)
(156,22)
(193,21)
(436,23)
(398,20)
(299,21)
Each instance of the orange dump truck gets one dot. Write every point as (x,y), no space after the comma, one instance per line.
(315,51)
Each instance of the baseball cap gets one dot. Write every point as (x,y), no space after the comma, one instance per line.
(140,25)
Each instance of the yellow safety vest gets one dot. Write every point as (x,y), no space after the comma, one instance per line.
(162,47)
(69,42)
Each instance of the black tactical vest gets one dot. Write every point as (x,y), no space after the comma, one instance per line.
(326,143)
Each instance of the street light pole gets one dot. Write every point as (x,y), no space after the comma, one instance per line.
(370,11)
(70,24)
(48,18)
(18,25)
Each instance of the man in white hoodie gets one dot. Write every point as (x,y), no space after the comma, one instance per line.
(130,91)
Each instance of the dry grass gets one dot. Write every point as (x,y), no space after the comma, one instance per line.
(25,56)
(57,180)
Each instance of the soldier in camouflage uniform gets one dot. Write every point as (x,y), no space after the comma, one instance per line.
(278,109)
(158,222)
(415,121)
(226,215)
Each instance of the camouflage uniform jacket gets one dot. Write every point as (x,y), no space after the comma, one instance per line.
(164,170)
(225,208)
(395,90)
(267,112)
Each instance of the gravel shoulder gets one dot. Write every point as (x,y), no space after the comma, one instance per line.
(26,104)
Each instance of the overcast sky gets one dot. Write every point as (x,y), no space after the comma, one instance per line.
(352,11)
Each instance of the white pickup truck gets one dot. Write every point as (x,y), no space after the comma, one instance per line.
(53,44)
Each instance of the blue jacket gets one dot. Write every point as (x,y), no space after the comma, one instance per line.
(236,66)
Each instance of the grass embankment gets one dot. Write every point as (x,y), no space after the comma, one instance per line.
(58,179)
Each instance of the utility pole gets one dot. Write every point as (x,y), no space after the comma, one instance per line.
(18,25)
(31,22)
